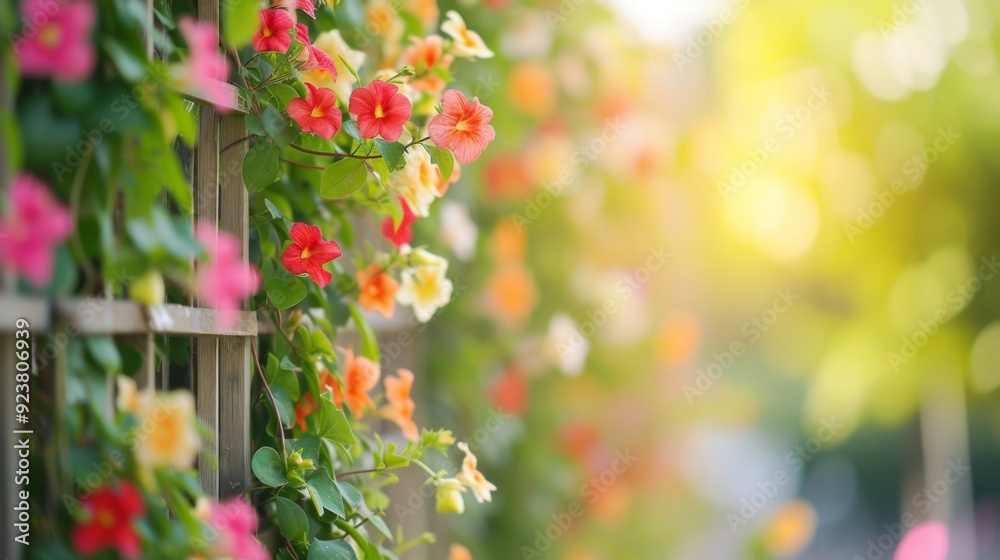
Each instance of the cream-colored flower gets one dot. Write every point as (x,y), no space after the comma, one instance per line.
(425,286)
(417,182)
(166,433)
(467,43)
(471,477)
(333,44)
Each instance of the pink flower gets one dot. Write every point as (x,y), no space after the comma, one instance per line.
(317,113)
(403,234)
(462,127)
(225,280)
(927,541)
(56,41)
(315,58)
(36,224)
(207,69)
(236,524)
(273,34)
(380,109)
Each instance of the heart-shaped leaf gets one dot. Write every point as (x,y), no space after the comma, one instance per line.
(331,550)
(328,491)
(285,292)
(391,152)
(292,521)
(344,178)
(444,159)
(268,467)
(260,166)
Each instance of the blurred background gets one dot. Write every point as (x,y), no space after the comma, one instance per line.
(732,292)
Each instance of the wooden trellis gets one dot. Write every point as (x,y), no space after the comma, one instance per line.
(221,363)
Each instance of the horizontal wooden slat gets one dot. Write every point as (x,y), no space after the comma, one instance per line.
(97,316)
(195,95)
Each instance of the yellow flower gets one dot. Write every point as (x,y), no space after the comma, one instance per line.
(471,477)
(166,434)
(449,496)
(791,529)
(467,43)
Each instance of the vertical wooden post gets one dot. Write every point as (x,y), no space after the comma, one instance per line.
(205,351)
(235,366)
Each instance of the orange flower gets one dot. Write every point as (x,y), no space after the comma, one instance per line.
(400,409)
(378,290)
(329,382)
(508,243)
(532,89)
(459,552)
(425,56)
(360,376)
(303,408)
(511,294)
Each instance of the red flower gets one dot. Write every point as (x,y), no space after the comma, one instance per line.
(317,113)
(379,108)
(307,6)
(309,252)
(273,34)
(403,234)
(109,524)
(462,127)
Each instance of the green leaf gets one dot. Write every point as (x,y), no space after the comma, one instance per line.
(130,66)
(105,353)
(268,467)
(331,550)
(285,292)
(351,494)
(392,152)
(350,69)
(286,408)
(369,344)
(277,127)
(333,424)
(443,158)
(261,166)
(379,524)
(292,521)
(328,491)
(343,178)
(239,21)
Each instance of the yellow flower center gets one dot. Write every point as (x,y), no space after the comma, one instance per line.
(105,518)
(49,36)
(316,113)
(266,32)
(306,253)
(379,113)
(462,126)
(427,285)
